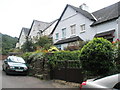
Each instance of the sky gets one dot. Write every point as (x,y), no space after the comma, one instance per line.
(15,14)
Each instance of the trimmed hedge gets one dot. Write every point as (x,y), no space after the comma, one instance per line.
(97,56)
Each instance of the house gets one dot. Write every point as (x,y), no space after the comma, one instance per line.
(36,29)
(78,24)
(22,37)
(47,31)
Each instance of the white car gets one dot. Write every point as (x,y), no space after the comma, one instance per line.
(107,83)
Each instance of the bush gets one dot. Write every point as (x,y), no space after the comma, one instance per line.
(97,56)
(62,55)
(116,47)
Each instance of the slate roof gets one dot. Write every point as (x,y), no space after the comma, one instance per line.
(83,12)
(72,39)
(106,14)
(25,30)
(50,24)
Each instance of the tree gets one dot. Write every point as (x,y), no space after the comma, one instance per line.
(44,42)
(28,46)
(97,56)
(6,43)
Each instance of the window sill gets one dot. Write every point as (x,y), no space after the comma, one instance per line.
(82,32)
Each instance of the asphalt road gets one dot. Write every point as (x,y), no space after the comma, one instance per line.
(12,81)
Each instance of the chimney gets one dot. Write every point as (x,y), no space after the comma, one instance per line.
(84,7)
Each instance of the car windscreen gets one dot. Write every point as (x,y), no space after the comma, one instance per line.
(16,59)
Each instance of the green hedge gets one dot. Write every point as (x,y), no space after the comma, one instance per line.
(97,57)
(63,55)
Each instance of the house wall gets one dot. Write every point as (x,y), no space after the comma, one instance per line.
(118,23)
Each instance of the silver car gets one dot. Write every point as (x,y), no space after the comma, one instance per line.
(107,83)
(15,65)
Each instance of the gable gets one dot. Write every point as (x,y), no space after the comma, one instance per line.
(69,12)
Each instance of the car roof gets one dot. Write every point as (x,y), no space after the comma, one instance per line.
(16,59)
(108,81)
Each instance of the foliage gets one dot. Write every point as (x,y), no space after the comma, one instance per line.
(28,46)
(44,42)
(116,47)
(97,56)
(62,55)
(8,43)
(33,56)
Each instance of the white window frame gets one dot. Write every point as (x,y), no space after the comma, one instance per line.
(64,33)
(56,36)
(82,28)
(73,29)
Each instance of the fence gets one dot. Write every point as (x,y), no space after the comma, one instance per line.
(69,70)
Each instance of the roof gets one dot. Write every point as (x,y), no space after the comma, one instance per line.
(106,14)
(83,12)
(72,39)
(79,10)
(50,24)
(25,30)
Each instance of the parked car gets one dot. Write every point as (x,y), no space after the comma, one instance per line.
(15,65)
(109,82)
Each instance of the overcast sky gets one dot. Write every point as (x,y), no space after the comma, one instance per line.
(15,14)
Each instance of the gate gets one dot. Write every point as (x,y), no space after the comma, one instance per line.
(69,70)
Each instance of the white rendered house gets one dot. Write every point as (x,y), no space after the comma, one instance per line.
(76,23)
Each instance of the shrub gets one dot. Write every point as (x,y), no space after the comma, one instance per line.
(116,47)
(96,57)
(62,55)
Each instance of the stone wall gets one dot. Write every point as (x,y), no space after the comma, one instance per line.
(39,68)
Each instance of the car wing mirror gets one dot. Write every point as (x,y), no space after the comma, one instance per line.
(5,61)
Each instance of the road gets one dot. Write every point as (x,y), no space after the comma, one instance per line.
(12,81)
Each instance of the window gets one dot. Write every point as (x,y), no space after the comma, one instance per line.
(82,27)
(57,36)
(73,29)
(64,33)
(58,46)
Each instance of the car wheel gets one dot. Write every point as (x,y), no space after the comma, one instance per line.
(6,72)
(3,69)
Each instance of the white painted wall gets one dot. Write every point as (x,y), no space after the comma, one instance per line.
(22,39)
(118,23)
